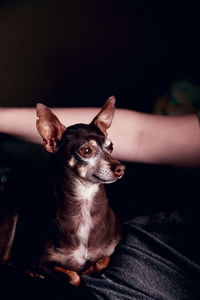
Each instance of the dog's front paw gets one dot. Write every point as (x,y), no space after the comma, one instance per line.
(72,277)
(102,263)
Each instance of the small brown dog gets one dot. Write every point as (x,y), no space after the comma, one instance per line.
(84,230)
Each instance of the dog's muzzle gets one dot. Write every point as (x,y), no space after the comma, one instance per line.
(118,170)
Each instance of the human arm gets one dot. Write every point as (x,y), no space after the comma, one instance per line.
(137,137)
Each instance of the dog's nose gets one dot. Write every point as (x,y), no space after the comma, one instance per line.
(118,170)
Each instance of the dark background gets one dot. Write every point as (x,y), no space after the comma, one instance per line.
(77,53)
(68,53)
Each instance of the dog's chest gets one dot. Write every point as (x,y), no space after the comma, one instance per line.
(84,224)
(80,254)
(85,197)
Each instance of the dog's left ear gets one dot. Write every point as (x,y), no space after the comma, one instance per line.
(104,118)
(49,127)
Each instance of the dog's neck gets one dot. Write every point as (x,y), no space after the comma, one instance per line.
(85,191)
(73,194)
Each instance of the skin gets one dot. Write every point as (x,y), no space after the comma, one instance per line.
(137,137)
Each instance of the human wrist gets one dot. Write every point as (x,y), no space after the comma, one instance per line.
(3,111)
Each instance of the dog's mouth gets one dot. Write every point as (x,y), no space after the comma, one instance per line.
(105,175)
(102,180)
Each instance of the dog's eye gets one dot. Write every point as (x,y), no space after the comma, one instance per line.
(86,151)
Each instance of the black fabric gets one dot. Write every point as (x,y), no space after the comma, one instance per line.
(15,284)
(159,258)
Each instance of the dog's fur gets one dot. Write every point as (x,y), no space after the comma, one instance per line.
(84,231)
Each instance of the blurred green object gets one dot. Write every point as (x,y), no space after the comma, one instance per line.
(182,98)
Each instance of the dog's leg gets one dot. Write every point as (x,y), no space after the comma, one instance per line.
(102,263)
(7,235)
(43,271)
(90,270)
(73,277)
(98,266)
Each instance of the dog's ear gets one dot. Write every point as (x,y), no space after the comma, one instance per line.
(49,127)
(104,118)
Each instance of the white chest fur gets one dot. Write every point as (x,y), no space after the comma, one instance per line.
(84,194)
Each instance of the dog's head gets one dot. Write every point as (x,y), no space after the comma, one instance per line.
(85,149)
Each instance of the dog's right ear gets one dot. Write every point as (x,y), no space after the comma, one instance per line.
(49,127)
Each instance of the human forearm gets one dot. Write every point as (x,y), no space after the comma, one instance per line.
(173,140)
(137,137)
(21,122)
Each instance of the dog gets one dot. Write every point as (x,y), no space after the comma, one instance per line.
(84,230)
